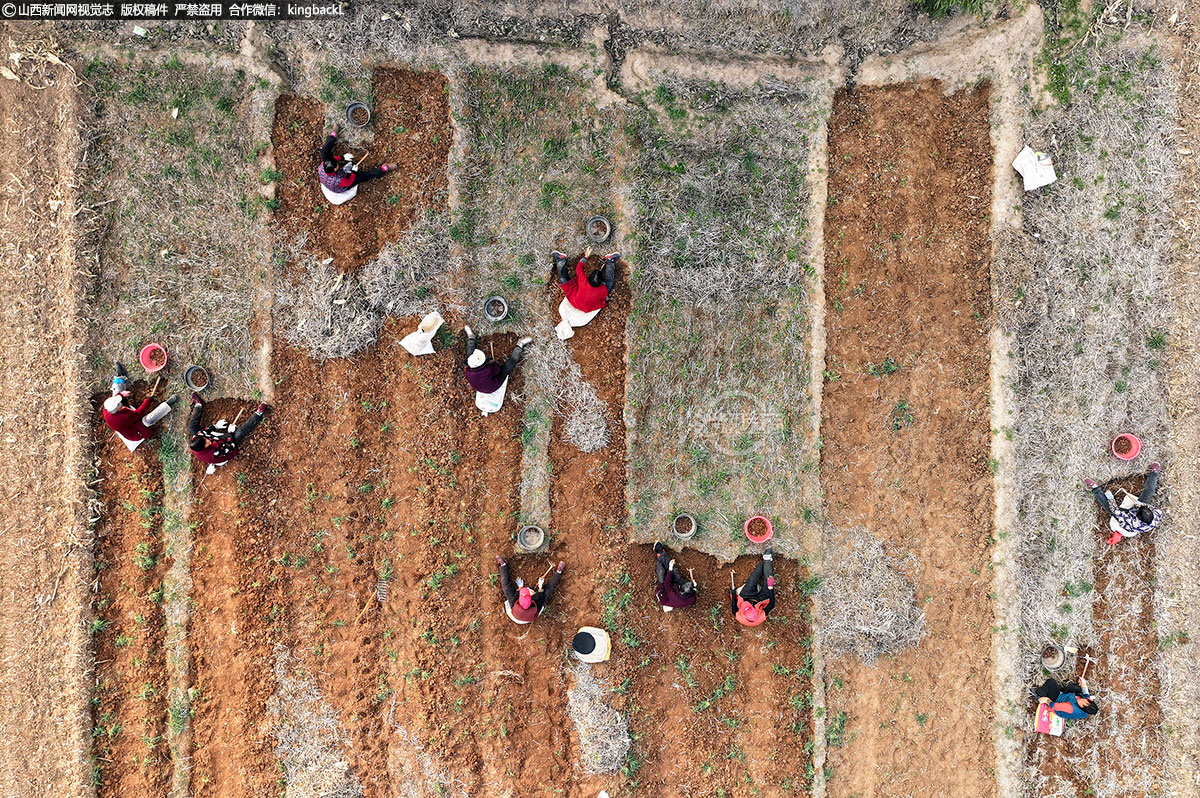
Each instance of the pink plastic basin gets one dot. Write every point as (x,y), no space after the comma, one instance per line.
(147,363)
(763,538)
(1135,446)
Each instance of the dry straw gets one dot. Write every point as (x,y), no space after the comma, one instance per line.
(603,732)
(869,601)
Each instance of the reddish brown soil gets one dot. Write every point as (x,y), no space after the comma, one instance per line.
(906,454)
(1122,446)
(683,525)
(235,590)
(1124,740)
(757,527)
(754,741)
(157,357)
(383,462)
(382,457)
(129,698)
(408,471)
(411,128)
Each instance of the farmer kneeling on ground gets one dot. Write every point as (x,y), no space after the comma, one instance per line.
(339,175)
(1069,701)
(216,444)
(132,424)
(1133,517)
(520,603)
(753,601)
(487,375)
(673,590)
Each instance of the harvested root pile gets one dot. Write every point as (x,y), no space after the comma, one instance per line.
(870,603)
(309,739)
(603,732)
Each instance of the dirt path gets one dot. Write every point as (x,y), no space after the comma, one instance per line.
(129,698)
(44,561)
(1179,569)
(906,275)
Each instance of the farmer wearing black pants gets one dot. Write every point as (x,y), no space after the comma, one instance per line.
(1070,701)
(608,279)
(214,444)
(485,375)
(523,605)
(673,589)
(337,173)
(586,292)
(1135,520)
(753,601)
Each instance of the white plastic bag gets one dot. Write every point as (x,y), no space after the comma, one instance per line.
(421,341)
(489,403)
(1036,168)
(572,317)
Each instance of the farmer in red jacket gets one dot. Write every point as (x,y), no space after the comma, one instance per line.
(586,292)
(215,444)
(487,375)
(753,601)
(672,589)
(521,604)
(133,424)
(338,174)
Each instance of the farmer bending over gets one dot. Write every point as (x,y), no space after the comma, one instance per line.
(586,292)
(1132,518)
(520,603)
(753,601)
(1069,701)
(487,375)
(339,175)
(132,424)
(673,589)
(215,444)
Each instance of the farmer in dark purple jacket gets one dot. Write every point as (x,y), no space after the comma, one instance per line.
(487,375)
(673,590)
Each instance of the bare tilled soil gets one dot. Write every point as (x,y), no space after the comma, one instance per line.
(384,469)
(331,597)
(235,593)
(410,127)
(907,318)
(129,695)
(379,467)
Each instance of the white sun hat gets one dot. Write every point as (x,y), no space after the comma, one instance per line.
(476,359)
